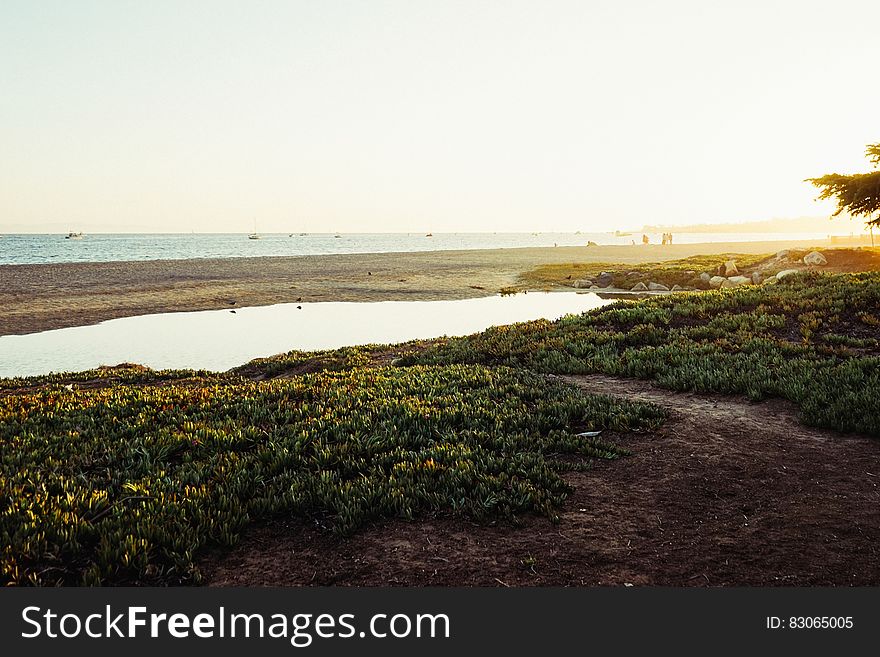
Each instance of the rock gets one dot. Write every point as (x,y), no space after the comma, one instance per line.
(770,280)
(729,269)
(757,278)
(782,255)
(595,287)
(705,277)
(690,272)
(681,288)
(584,284)
(639,287)
(658,287)
(785,272)
(727,283)
(604,279)
(740,280)
(815,258)
(716,281)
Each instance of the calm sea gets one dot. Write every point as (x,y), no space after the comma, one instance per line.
(35,249)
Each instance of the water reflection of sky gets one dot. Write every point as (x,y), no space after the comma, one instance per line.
(219,339)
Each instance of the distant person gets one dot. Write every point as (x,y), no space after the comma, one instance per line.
(645,239)
(663,239)
(633,242)
(670,239)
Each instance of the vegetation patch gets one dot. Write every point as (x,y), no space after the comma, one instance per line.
(683,272)
(296,362)
(128,483)
(101,377)
(812,339)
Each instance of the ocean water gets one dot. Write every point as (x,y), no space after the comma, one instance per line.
(221,339)
(39,249)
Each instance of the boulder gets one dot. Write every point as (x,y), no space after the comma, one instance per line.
(770,280)
(639,287)
(584,284)
(681,288)
(658,287)
(782,255)
(716,281)
(727,283)
(757,278)
(785,272)
(604,279)
(705,276)
(729,269)
(815,258)
(740,280)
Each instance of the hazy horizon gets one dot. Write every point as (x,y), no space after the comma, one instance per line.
(395,116)
(835,226)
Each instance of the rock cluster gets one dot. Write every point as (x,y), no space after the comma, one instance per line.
(728,275)
(604,279)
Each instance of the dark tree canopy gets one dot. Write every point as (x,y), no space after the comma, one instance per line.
(859,193)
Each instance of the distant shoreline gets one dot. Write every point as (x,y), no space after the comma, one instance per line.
(135,247)
(50,296)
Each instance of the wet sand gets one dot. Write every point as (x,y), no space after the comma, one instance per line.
(42,297)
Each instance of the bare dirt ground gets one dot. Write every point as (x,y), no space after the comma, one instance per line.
(42,297)
(729,492)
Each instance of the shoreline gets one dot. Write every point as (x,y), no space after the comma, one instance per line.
(41,297)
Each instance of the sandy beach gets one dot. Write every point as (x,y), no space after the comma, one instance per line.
(42,297)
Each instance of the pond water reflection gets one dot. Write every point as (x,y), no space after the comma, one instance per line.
(221,339)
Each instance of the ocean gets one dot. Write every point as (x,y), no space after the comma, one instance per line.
(41,249)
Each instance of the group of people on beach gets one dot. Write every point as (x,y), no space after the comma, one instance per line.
(666,237)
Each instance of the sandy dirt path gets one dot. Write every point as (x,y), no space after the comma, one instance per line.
(41,297)
(727,493)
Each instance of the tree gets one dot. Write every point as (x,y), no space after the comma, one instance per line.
(859,193)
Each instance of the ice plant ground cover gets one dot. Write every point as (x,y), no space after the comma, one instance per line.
(127,482)
(811,338)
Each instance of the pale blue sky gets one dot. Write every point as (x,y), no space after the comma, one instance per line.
(443,116)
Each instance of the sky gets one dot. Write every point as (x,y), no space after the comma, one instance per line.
(409,115)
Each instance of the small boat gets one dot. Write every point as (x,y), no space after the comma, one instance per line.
(73,236)
(430,235)
(255,235)
(337,235)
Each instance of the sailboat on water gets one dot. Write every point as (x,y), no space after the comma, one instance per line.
(255,235)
